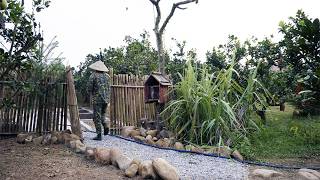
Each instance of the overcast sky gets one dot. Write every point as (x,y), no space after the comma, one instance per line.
(82,27)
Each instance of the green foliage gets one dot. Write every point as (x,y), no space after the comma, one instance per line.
(177,63)
(213,108)
(284,137)
(223,56)
(136,57)
(302,51)
(19,39)
(45,64)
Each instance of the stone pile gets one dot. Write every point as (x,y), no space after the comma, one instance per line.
(166,139)
(157,168)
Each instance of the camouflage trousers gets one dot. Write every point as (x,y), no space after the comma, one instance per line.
(99,113)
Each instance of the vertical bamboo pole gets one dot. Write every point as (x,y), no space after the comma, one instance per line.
(111,105)
(73,105)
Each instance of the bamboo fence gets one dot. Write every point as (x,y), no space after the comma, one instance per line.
(127,106)
(41,110)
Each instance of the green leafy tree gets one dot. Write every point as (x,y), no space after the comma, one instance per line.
(136,57)
(302,52)
(18,39)
(215,60)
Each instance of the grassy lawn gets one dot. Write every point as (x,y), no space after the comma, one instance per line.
(286,138)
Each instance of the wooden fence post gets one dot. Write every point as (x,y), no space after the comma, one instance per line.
(73,104)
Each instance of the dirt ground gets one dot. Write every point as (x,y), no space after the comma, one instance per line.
(27,161)
(57,162)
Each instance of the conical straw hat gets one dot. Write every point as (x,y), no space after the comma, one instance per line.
(99,66)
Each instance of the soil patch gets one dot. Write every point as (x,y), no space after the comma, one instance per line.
(27,161)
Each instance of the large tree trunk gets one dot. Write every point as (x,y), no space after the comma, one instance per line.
(160,53)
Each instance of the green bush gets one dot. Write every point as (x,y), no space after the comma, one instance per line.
(213,108)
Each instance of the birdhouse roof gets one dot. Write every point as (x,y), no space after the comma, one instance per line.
(160,78)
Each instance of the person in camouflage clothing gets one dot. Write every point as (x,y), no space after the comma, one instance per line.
(99,88)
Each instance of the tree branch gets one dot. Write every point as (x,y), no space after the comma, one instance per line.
(174,6)
(158,18)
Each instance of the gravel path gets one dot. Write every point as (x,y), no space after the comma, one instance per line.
(190,166)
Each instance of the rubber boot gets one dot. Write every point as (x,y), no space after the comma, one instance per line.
(106,129)
(98,137)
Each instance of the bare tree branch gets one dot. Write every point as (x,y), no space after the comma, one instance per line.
(174,6)
(182,8)
(159,32)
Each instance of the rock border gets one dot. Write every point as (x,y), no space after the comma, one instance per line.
(155,169)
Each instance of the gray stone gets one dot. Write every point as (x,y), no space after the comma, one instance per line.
(37,140)
(165,170)
(54,140)
(265,173)
(164,134)
(46,139)
(28,139)
(21,138)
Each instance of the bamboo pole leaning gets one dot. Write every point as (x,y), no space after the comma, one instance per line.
(73,104)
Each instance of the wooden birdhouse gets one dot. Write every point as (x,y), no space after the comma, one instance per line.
(156,88)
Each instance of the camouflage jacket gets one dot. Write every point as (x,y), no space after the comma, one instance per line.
(99,87)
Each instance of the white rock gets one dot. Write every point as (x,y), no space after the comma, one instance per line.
(179,145)
(309,174)
(102,155)
(236,154)
(265,173)
(114,154)
(149,137)
(80,147)
(123,162)
(143,132)
(132,170)
(89,154)
(165,170)
(125,131)
(146,170)
(153,133)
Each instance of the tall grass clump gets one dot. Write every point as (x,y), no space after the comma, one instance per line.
(213,108)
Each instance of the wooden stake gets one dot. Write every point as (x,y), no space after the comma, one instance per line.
(73,104)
